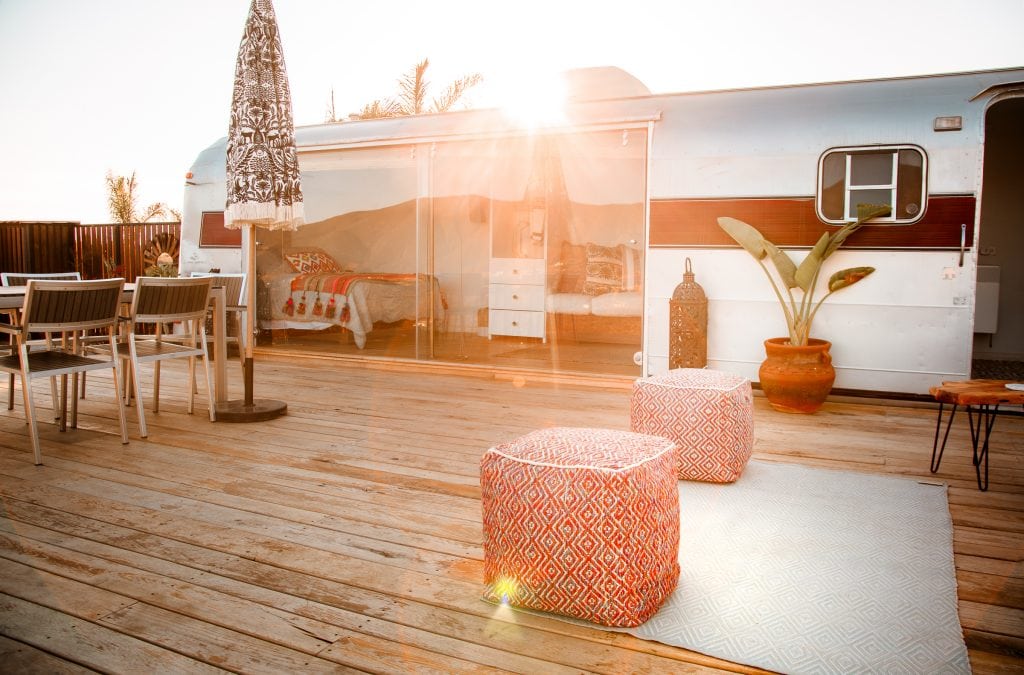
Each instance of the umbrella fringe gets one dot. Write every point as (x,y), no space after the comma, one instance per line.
(270,216)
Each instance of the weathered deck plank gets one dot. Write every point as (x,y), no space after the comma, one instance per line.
(347,533)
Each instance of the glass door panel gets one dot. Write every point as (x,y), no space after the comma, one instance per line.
(515,252)
(341,283)
(596,252)
(516,229)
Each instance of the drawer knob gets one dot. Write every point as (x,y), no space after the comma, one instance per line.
(515,297)
(515,323)
(515,271)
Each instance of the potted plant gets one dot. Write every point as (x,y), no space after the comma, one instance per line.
(797,374)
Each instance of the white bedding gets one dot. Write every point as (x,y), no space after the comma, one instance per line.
(368,301)
(569,303)
(624,303)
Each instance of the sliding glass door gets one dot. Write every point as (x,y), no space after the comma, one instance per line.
(513,252)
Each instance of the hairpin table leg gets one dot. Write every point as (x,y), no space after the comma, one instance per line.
(986,416)
(937,450)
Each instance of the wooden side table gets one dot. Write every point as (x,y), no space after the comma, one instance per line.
(982,399)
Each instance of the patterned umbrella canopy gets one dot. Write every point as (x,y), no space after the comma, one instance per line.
(263,183)
(264,188)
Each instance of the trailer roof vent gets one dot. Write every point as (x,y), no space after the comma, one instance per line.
(600,83)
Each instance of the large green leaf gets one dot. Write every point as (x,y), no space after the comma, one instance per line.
(865,212)
(847,277)
(783,264)
(745,235)
(809,266)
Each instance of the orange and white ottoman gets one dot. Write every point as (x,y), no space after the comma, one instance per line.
(581,522)
(707,413)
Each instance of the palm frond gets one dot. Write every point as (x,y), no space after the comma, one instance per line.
(412,89)
(151,212)
(412,95)
(455,91)
(121,197)
(379,109)
(331,116)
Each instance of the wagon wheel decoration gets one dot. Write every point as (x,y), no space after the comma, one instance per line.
(164,242)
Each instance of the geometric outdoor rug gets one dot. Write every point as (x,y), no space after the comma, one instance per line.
(805,570)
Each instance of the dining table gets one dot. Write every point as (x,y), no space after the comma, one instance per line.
(13,298)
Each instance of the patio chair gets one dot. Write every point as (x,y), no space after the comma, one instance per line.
(67,308)
(168,300)
(234,305)
(21,279)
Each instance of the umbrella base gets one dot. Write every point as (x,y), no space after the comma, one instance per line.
(261,410)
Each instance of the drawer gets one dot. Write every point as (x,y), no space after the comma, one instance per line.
(513,322)
(517,296)
(517,270)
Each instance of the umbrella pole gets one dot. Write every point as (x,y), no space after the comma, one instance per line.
(250,409)
(250,311)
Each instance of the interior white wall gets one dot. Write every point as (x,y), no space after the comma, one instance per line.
(1001,240)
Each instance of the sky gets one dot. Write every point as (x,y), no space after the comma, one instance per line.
(122,86)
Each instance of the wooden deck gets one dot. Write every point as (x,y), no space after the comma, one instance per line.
(346,535)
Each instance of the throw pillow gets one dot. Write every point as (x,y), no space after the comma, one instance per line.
(573,268)
(311,261)
(604,269)
(632,273)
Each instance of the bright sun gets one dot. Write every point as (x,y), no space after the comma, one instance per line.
(533,101)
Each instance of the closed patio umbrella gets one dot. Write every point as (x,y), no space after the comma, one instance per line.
(263,185)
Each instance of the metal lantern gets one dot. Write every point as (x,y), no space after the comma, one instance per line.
(688,324)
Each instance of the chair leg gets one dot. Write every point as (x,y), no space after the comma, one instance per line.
(156,387)
(120,406)
(143,432)
(126,382)
(63,417)
(243,341)
(191,385)
(56,400)
(209,389)
(10,377)
(30,417)
(74,399)
(24,398)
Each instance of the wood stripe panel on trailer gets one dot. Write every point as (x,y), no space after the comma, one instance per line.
(793,222)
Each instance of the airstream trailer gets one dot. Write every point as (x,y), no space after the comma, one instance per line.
(469,237)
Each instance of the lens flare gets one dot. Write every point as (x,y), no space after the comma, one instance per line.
(505,589)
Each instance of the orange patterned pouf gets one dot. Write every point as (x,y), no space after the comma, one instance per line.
(707,413)
(581,522)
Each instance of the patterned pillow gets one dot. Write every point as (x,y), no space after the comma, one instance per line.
(572,268)
(311,261)
(604,269)
(632,272)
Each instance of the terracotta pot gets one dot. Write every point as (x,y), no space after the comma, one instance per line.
(797,379)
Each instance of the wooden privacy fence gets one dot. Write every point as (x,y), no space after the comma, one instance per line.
(95,251)
(37,247)
(120,249)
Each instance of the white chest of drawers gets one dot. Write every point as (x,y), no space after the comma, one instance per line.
(517,287)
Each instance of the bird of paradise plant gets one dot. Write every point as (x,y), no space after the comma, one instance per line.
(801,309)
